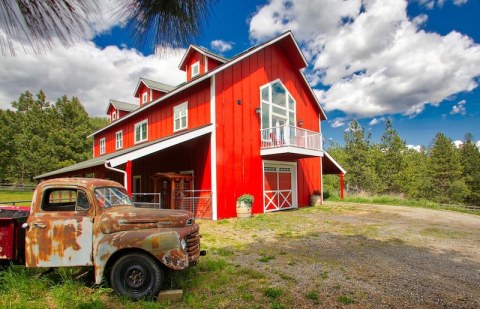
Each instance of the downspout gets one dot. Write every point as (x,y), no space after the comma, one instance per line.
(125,175)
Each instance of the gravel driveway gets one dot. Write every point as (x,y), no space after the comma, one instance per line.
(360,256)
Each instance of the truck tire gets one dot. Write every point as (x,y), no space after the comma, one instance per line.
(137,275)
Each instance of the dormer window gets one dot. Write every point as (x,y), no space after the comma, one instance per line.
(144,97)
(114,115)
(195,69)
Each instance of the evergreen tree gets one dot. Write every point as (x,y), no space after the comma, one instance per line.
(446,182)
(470,158)
(359,162)
(38,137)
(392,162)
(415,176)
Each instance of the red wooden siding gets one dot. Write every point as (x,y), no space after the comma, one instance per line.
(194,57)
(239,165)
(160,118)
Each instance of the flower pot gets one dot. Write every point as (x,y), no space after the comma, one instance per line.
(244,210)
(315,200)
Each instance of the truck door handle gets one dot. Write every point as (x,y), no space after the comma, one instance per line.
(40,225)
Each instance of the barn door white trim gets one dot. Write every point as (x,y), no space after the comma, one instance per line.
(279,185)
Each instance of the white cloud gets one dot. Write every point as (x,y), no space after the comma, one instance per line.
(417,148)
(93,75)
(457,144)
(459,108)
(337,122)
(221,46)
(478,144)
(376,121)
(374,59)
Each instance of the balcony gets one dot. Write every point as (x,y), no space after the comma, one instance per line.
(290,142)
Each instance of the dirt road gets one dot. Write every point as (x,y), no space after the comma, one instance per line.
(360,256)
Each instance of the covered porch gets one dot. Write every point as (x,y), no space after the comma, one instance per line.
(183,160)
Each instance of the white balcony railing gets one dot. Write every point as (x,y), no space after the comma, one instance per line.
(290,136)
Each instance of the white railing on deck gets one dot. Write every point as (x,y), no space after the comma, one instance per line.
(291,136)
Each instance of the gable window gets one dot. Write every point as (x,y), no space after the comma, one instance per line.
(180,117)
(102,146)
(195,69)
(141,131)
(144,97)
(278,108)
(114,115)
(119,140)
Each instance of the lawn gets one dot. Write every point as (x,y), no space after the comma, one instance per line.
(338,255)
(10,196)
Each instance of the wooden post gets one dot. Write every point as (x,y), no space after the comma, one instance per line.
(128,170)
(342,186)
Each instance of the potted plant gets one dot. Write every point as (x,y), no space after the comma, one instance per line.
(316,198)
(244,205)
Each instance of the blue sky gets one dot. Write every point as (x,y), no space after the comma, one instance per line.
(417,62)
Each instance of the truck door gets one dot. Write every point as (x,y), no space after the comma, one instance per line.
(60,230)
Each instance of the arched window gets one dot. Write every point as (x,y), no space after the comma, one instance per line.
(278,108)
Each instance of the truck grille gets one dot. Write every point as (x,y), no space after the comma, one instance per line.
(193,247)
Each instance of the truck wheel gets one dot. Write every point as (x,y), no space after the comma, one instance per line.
(137,275)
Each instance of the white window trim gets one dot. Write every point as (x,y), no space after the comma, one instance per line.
(114,115)
(269,102)
(196,65)
(144,97)
(139,125)
(103,143)
(180,108)
(117,139)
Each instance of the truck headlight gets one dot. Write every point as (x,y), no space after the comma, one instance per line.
(183,244)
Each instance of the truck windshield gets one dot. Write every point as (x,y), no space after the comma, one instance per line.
(112,196)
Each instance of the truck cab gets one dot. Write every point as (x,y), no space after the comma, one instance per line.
(92,222)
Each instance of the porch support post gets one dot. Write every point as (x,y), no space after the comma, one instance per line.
(128,171)
(342,186)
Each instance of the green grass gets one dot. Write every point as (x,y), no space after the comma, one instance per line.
(397,201)
(345,300)
(9,196)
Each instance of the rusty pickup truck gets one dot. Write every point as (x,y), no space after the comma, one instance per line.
(92,222)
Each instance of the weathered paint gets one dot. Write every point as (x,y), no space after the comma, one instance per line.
(92,237)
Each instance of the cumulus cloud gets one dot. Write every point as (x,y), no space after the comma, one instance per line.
(93,75)
(221,46)
(338,122)
(417,148)
(459,108)
(376,121)
(372,57)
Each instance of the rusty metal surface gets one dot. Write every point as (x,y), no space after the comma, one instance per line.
(93,236)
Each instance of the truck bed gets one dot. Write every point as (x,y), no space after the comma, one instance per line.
(12,235)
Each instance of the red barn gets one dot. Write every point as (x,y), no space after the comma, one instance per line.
(250,124)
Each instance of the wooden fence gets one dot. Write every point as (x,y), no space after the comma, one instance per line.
(16,187)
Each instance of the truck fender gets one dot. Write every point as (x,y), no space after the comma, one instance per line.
(164,245)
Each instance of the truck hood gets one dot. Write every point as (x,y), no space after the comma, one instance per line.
(126,218)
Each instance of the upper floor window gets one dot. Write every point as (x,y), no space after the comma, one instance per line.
(119,140)
(102,146)
(195,69)
(114,115)
(278,106)
(141,131)
(144,97)
(180,116)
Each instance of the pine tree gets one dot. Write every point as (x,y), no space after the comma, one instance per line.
(470,158)
(392,159)
(446,182)
(359,162)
